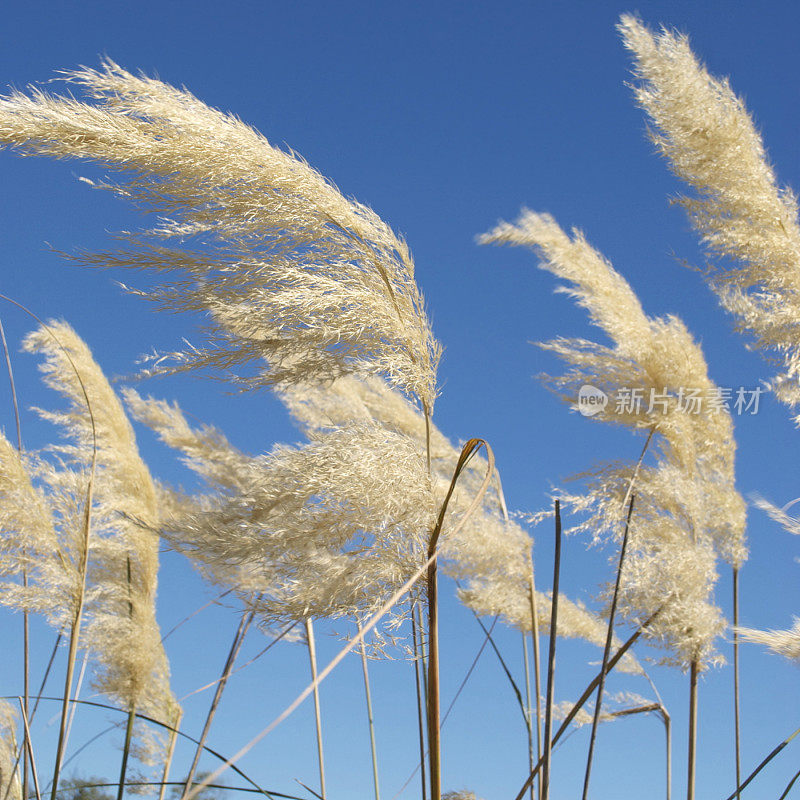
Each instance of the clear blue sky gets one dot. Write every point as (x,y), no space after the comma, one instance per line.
(444,117)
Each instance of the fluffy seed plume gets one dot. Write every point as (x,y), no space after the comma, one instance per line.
(783,643)
(121,629)
(31,544)
(687,507)
(10,784)
(297,282)
(329,528)
(491,554)
(743,215)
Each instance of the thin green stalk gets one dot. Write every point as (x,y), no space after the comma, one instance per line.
(423,656)
(126,751)
(764,763)
(737,729)
(368,697)
(244,624)
(312,657)
(692,751)
(606,652)
(537,670)
(585,696)
(789,786)
(528,703)
(551,658)
(420,700)
(434,738)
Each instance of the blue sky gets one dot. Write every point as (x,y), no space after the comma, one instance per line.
(444,117)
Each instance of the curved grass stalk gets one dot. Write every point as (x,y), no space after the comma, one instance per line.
(160,724)
(434,711)
(446,714)
(164,784)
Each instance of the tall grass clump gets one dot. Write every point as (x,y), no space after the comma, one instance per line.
(687,511)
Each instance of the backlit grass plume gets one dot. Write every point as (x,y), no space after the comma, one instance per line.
(326,529)
(32,544)
(743,215)
(687,508)
(491,554)
(297,282)
(784,643)
(121,628)
(10,783)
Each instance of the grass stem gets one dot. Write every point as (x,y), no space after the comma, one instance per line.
(312,658)
(606,652)
(244,624)
(368,698)
(736,723)
(551,658)
(692,750)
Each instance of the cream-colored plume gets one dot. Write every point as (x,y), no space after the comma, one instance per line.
(120,628)
(743,215)
(687,507)
(297,281)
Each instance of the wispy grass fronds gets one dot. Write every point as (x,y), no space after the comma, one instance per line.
(121,628)
(782,642)
(688,510)
(744,216)
(10,783)
(30,544)
(491,554)
(329,528)
(297,282)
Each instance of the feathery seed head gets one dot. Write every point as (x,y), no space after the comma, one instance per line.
(298,282)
